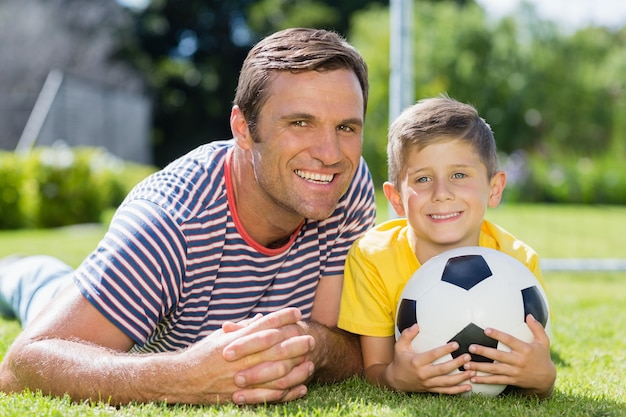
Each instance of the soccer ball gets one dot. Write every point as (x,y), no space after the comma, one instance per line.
(457,294)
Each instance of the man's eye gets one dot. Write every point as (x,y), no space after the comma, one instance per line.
(345,128)
(300,123)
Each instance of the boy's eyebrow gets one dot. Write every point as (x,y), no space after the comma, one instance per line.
(410,170)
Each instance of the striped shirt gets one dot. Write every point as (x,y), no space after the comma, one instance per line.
(175,263)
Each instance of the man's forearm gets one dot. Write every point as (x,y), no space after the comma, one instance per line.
(337,354)
(199,374)
(85,372)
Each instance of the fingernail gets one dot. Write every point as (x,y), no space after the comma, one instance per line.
(229,354)
(311,369)
(240,380)
(302,392)
(240,400)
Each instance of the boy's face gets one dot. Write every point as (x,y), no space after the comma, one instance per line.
(444,193)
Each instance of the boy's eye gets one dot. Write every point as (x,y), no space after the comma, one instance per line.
(422,179)
(458,175)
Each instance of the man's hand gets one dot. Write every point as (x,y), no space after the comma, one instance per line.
(272,350)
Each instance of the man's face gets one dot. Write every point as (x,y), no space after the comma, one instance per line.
(309,140)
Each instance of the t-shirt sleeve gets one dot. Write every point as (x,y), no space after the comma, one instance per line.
(134,274)
(366,308)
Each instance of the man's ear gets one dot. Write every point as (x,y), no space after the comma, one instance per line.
(496,184)
(393,195)
(239,128)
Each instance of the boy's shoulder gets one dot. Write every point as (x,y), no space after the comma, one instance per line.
(496,237)
(384,236)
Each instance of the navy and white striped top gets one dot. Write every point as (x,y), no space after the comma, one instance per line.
(174,264)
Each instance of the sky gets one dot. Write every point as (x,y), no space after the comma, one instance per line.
(570,14)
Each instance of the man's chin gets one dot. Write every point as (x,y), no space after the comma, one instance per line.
(318,214)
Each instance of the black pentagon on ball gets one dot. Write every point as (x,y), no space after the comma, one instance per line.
(472,334)
(407,314)
(466,271)
(535,304)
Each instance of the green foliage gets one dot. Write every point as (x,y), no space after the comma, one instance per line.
(572,180)
(59,186)
(271,15)
(11,179)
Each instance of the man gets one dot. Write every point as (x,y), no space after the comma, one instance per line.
(220,276)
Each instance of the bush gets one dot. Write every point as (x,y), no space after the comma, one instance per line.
(60,186)
(571,180)
(11,179)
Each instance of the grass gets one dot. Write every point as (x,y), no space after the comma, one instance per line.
(588,341)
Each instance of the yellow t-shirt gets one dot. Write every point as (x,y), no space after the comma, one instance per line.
(381,262)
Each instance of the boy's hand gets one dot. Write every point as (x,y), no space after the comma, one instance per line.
(415,372)
(527,365)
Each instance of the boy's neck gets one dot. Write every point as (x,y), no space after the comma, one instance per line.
(426,250)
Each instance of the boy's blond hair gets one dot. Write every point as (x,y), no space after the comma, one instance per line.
(436,120)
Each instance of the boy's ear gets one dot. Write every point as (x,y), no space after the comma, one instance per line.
(239,127)
(393,195)
(497,184)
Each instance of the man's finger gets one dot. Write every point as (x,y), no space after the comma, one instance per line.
(271,332)
(262,395)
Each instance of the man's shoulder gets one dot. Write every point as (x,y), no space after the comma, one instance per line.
(189,183)
(204,155)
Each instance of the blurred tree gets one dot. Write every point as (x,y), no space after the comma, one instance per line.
(191,52)
(266,16)
(541,90)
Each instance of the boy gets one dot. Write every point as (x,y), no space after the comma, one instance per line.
(443,167)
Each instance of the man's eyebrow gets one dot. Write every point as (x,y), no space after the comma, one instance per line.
(307,116)
(352,121)
(293,116)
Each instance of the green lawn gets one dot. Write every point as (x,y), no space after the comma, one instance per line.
(588,341)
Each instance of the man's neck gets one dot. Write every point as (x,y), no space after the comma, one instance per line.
(262,219)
